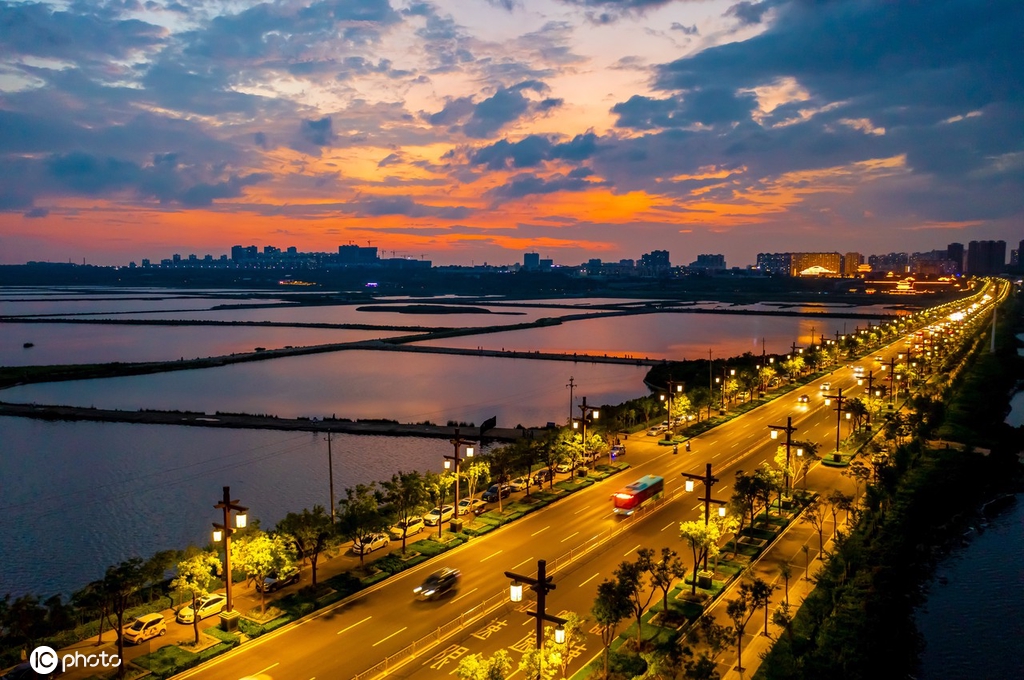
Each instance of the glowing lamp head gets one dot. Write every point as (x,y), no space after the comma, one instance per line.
(241,520)
(469,452)
(560,635)
(721,511)
(447,464)
(775,434)
(515,591)
(218,535)
(689,485)
(597,414)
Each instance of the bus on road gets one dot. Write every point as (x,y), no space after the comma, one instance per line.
(633,496)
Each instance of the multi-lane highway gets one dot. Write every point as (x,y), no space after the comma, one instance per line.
(345,639)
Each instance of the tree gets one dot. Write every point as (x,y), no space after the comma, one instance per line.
(632,578)
(155,569)
(575,636)
(526,455)
(611,606)
(550,456)
(539,663)
(740,610)
(786,572)
(767,376)
(857,410)
(308,534)
(701,398)
(194,575)
(259,555)
(476,667)
(837,500)
(359,515)
(406,497)
(665,573)
(681,407)
(814,514)
(703,540)
(23,621)
(790,468)
(859,473)
(90,599)
(761,596)
(768,480)
(570,445)
(745,495)
(501,460)
(748,381)
(476,472)
(807,458)
(121,583)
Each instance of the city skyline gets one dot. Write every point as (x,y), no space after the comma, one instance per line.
(471,132)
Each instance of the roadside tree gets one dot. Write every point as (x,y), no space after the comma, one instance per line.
(260,555)
(703,542)
(406,497)
(478,667)
(121,584)
(664,573)
(633,578)
(611,606)
(359,514)
(308,533)
(194,575)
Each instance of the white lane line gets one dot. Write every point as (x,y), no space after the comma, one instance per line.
(544,529)
(626,554)
(589,580)
(267,668)
(723,488)
(492,555)
(465,594)
(390,636)
(523,562)
(568,537)
(581,510)
(351,627)
(666,526)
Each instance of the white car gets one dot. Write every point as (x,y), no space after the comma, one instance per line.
(472,505)
(408,527)
(370,543)
(439,515)
(826,386)
(207,606)
(518,484)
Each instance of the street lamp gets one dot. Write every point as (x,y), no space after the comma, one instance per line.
(457,460)
(588,412)
(229,617)
(671,420)
(789,430)
(709,481)
(839,413)
(541,585)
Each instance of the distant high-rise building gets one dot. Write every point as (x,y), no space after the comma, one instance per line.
(708,261)
(955,253)
(655,262)
(531,261)
(145,262)
(176,258)
(898,263)
(986,257)
(775,263)
(292,250)
(352,254)
(851,263)
(816,264)
(1015,258)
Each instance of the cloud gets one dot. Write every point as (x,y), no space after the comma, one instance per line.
(749,13)
(402,205)
(317,132)
(505,106)
(685,30)
(532,150)
(527,184)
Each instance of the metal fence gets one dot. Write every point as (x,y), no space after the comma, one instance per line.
(402,656)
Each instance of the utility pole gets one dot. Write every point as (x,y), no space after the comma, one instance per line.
(789,430)
(839,413)
(541,585)
(871,382)
(226,530)
(330,472)
(709,481)
(571,386)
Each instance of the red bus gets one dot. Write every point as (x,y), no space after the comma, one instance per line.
(633,496)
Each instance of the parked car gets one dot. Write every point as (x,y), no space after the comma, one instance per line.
(543,476)
(519,483)
(438,583)
(618,451)
(370,543)
(564,466)
(654,432)
(207,606)
(472,505)
(804,399)
(439,515)
(146,627)
(491,495)
(409,526)
(825,386)
(277,580)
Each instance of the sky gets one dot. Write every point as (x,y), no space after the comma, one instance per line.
(471,131)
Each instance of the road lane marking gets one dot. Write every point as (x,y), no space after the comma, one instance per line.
(581,510)
(492,555)
(267,668)
(523,562)
(666,526)
(544,529)
(589,580)
(632,549)
(569,536)
(464,595)
(352,626)
(389,637)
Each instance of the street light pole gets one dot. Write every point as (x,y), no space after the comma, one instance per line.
(541,585)
(587,412)
(709,481)
(226,530)
(839,412)
(789,430)
(457,442)
(571,386)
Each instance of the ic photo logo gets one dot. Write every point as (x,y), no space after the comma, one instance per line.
(44,660)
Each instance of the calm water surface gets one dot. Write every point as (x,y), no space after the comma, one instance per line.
(77,497)
(972,622)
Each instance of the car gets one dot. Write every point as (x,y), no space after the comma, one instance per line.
(439,515)
(804,399)
(146,627)
(879,358)
(543,476)
(368,544)
(564,466)
(410,526)
(519,483)
(858,370)
(491,495)
(277,580)
(438,584)
(826,386)
(472,505)
(618,451)
(654,432)
(207,606)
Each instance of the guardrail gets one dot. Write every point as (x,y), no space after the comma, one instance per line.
(402,656)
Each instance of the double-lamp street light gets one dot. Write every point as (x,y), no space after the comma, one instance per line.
(457,460)
(789,430)
(229,618)
(541,585)
(709,481)
(588,413)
